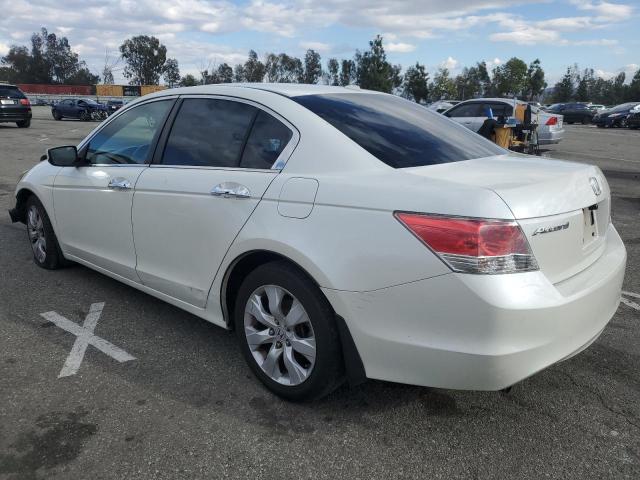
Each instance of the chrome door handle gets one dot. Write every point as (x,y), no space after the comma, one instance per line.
(119,184)
(230,190)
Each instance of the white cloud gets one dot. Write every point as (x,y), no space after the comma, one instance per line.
(317,46)
(450,63)
(400,47)
(4,48)
(605,11)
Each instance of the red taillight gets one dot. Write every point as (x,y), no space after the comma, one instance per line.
(552,121)
(473,245)
(25,101)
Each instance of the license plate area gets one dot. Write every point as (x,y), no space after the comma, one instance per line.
(8,102)
(590,230)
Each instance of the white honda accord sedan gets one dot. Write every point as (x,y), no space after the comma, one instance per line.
(343,234)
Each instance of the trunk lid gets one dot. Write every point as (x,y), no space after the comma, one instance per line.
(555,202)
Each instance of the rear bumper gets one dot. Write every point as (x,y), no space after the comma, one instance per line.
(16,116)
(550,137)
(481,332)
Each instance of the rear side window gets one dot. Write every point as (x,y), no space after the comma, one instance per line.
(398,132)
(209,133)
(466,110)
(10,92)
(499,109)
(268,138)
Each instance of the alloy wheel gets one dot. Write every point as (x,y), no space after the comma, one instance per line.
(35,228)
(280,335)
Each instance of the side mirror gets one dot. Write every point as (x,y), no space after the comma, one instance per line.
(63,156)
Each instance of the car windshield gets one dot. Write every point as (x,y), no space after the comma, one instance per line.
(89,101)
(398,132)
(10,92)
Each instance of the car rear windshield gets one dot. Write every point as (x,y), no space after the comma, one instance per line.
(624,107)
(10,92)
(398,132)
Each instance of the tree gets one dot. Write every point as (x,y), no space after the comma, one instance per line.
(224,73)
(253,69)
(145,57)
(633,92)
(188,81)
(442,87)
(283,69)
(171,72)
(373,71)
(563,91)
(333,71)
(416,83)
(50,60)
(312,67)
(510,78)
(348,72)
(536,83)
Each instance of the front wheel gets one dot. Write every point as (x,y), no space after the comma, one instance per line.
(287,333)
(24,124)
(85,116)
(44,244)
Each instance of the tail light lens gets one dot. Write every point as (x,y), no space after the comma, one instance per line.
(552,121)
(25,101)
(473,245)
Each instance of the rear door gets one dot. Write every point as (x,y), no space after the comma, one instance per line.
(213,167)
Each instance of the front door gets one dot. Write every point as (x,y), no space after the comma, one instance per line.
(211,174)
(471,115)
(92,203)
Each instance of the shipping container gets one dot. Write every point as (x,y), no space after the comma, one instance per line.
(109,90)
(57,89)
(147,89)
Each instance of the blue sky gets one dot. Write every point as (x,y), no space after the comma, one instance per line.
(603,35)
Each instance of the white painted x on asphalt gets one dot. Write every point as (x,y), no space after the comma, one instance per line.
(630,303)
(85,338)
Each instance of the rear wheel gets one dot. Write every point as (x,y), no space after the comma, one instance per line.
(56,115)
(44,244)
(24,123)
(287,333)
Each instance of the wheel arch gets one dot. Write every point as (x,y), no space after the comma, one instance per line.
(250,260)
(19,213)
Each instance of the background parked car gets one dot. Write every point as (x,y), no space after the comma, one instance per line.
(114,105)
(633,120)
(84,109)
(472,113)
(442,105)
(14,106)
(573,112)
(596,107)
(616,116)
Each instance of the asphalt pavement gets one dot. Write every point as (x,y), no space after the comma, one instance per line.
(187,406)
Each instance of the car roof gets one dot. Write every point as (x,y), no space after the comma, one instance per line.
(284,89)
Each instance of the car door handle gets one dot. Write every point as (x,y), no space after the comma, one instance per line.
(119,184)
(230,190)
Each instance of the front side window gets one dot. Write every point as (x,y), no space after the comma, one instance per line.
(398,132)
(128,138)
(209,133)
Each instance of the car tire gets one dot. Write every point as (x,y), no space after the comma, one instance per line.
(622,123)
(85,116)
(44,243)
(586,120)
(299,361)
(56,115)
(24,123)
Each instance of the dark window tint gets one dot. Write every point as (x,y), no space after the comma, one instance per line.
(466,110)
(208,133)
(128,137)
(398,132)
(499,109)
(10,92)
(266,142)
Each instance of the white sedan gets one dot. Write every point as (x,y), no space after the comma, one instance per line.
(343,234)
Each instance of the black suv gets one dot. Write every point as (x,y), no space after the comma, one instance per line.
(14,106)
(573,112)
